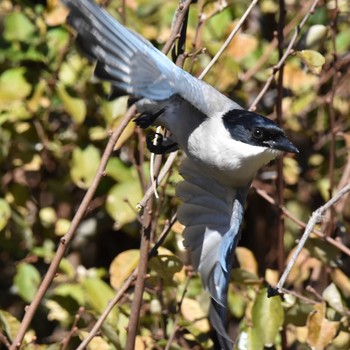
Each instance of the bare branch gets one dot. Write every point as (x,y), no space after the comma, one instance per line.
(315,218)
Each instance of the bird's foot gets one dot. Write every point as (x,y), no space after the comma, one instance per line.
(146,119)
(158,145)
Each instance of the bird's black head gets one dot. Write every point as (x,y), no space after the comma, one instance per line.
(256,130)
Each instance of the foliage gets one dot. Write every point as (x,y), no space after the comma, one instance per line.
(55,123)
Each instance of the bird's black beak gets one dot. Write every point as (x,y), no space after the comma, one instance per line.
(282,144)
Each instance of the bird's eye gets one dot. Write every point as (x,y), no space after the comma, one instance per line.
(258,134)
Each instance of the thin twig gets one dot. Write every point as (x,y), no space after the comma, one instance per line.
(302,224)
(141,277)
(279,180)
(66,239)
(174,330)
(281,62)
(127,284)
(4,340)
(73,329)
(316,217)
(229,39)
(168,164)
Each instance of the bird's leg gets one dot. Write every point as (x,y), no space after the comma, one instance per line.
(147,119)
(161,146)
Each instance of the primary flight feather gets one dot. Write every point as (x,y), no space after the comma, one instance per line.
(224,144)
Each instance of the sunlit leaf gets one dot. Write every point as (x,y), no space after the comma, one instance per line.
(290,170)
(122,200)
(56,15)
(249,339)
(268,316)
(56,312)
(9,324)
(97,342)
(192,311)
(27,280)
(18,27)
(313,37)
(75,107)
(84,165)
(72,290)
(61,226)
(118,170)
(47,216)
(113,109)
(332,296)
(320,330)
(122,266)
(313,59)
(127,133)
(247,260)
(13,86)
(165,266)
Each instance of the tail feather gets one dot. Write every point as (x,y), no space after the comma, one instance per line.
(212,214)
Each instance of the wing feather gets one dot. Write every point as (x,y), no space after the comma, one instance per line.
(132,64)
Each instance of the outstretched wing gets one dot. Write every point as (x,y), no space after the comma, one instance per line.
(132,64)
(212,215)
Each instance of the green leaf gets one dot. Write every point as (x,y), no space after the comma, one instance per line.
(97,294)
(57,39)
(117,170)
(27,280)
(18,27)
(121,201)
(74,106)
(244,277)
(73,290)
(13,86)
(9,324)
(165,266)
(47,216)
(313,59)
(268,316)
(84,165)
(5,213)
(249,339)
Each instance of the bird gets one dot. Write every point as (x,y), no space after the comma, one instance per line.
(224,145)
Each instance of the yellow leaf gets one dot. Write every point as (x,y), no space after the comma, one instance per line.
(192,312)
(97,342)
(122,266)
(290,170)
(320,330)
(74,106)
(313,59)
(247,260)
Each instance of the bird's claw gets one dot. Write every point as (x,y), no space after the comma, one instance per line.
(159,146)
(146,119)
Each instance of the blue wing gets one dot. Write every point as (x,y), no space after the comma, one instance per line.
(133,65)
(212,215)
